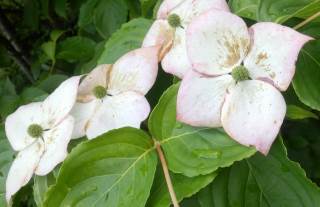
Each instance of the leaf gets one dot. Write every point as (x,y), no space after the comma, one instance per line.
(86,11)
(76,49)
(51,82)
(109,15)
(146,7)
(8,104)
(6,157)
(41,185)
(183,187)
(31,94)
(115,169)
(129,37)
(88,66)
(56,34)
(49,48)
(31,14)
(274,10)
(262,181)
(295,112)
(306,80)
(60,7)
(190,150)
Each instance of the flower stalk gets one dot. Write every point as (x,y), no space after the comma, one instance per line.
(167,175)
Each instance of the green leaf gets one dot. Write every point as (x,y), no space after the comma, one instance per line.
(129,37)
(115,169)
(147,6)
(306,80)
(88,66)
(32,94)
(86,11)
(51,82)
(295,112)
(262,181)
(76,49)
(190,150)
(60,7)
(56,34)
(6,157)
(109,15)
(8,104)
(274,10)
(49,48)
(183,186)
(41,185)
(31,14)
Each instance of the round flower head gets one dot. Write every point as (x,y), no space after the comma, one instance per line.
(169,31)
(237,75)
(40,132)
(112,96)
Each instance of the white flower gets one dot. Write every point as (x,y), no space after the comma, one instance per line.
(169,31)
(40,132)
(247,102)
(112,96)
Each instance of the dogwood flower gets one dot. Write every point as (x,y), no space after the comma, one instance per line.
(112,96)
(237,75)
(169,31)
(41,132)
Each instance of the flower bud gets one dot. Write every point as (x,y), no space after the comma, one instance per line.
(99,92)
(174,20)
(35,131)
(240,73)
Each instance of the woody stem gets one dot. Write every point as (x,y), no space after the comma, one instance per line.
(167,175)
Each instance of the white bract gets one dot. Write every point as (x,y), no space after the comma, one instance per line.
(112,96)
(169,31)
(247,102)
(40,132)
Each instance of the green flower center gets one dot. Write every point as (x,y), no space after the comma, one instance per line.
(99,92)
(240,73)
(35,131)
(174,20)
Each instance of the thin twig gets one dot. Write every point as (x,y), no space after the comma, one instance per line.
(167,175)
(13,47)
(16,58)
(311,18)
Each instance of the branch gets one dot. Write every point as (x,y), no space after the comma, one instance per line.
(307,20)
(167,175)
(17,59)
(13,47)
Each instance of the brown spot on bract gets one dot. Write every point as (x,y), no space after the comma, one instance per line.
(261,57)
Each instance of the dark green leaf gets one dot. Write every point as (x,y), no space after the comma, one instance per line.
(60,7)
(295,112)
(51,82)
(190,150)
(306,80)
(109,15)
(129,37)
(183,186)
(32,94)
(115,169)
(86,11)
(262,181)
(31,14)
(75,49)
(147,7)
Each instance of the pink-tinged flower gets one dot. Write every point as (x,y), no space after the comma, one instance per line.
(237,75)
(40,132)
(169,31)
(112,96)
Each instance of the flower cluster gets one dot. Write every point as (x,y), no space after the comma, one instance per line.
(231,75)
(110,97)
